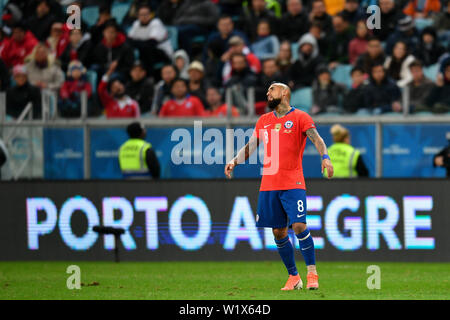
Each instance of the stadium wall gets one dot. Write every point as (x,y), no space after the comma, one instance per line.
(351,220)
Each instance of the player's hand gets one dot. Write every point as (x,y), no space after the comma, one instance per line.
(112,67)
(229,167)
(326,164)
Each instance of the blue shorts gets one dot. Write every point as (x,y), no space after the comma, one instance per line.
(281,208)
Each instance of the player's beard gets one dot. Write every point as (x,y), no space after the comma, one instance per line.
(274,103)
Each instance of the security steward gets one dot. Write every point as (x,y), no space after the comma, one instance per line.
(347,160)
(137,158)
(442,159)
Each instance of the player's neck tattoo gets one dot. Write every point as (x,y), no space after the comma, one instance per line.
(281,110)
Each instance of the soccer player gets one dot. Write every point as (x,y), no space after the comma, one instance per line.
(282,197)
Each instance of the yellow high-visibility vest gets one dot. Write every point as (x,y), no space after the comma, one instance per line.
(343,157)
(132,157)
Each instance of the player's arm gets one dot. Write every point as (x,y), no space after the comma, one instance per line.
(242,155)
(318,142)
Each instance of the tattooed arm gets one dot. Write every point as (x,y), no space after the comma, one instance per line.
(242,155)
(317,140)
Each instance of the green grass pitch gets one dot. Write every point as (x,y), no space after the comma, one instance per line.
(219,280)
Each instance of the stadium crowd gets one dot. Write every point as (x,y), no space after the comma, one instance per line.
(177,57)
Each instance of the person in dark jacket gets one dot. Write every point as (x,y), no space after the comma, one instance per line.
(439,98)
(251,16)
(339,41)
(270,74)
(41,21)
(319,14)
(78,48)
(113,47)
(294,23)
(406,32)
(19,96)
(303,71)
(382,94)
(420,88)
(354,99)
(429,49)
(140,87)
(374,55)
(326,93)
(389,15)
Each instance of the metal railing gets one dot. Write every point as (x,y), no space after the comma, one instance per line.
(50,119)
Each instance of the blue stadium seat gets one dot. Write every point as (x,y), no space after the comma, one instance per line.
(341,74)
(302,99)
(294,49)
(92,78)
(90,15)
(431,72)
(119,10)
(173,36)
(423,23)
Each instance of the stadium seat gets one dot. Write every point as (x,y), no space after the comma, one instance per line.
(341,74)
(119,10)
(423,23)
(431,72)
(173,36)
(92,78)
(302,99)
(90,15)
(294,49)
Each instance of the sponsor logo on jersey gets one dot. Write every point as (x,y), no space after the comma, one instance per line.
(278,126)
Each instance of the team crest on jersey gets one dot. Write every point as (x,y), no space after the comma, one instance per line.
(278,126)
(288,124)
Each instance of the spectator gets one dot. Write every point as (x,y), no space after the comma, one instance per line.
(374,55)
(218,108)
(439,99)
(113,97)
(319,14)
(441,20)
(267,45)
(334,6)
(194,18)
(182,104)
(352,12)
(322,39)
(149,35)
(284,59)
(41,21)
(69,103)
(3,156)
(358,45)
(196,83)
(43,70)
(140,87)
(162,89)
(133,12)
(181,61)
(105,16)
(422,9)
(294,23)
(19,46)
(78,48)
(347,160)
(113,47)
(270,73)
(339,41)
(389,15)
(382,94)
(242,78)
(167,11)
(11,15)
(303,70)
(354,99)
(419,88)
(58,39)
(18,96)
(237,45)
(219,39)
(429,50)
(406,32)
(326,93)
(253,14)
(397,65)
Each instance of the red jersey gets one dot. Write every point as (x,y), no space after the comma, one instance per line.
(221,111)
(284,141)
(124,108)
(191,106)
